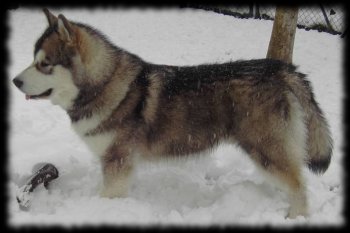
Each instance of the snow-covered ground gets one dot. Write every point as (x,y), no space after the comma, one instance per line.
(222,188)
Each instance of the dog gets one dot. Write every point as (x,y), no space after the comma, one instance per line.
(123,107)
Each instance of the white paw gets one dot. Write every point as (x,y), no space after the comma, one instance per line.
(295,212)
(113,192)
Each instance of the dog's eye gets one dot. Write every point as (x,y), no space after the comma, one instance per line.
(45,64)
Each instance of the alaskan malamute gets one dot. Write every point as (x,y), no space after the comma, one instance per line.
(121,106)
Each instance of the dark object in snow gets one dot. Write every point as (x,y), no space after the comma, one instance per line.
(44,174)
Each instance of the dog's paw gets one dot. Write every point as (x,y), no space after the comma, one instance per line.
(113,192)
(294,213)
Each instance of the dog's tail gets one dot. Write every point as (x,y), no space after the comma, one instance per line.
(319,142)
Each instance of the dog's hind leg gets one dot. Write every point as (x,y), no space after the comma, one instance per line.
(279,164)
(286,173)
(116,168)
(278,146)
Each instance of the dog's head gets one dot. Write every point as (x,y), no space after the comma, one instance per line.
(50,76)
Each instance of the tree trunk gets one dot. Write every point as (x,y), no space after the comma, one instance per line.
(283,33)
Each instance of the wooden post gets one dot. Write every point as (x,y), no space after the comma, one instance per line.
(283,33)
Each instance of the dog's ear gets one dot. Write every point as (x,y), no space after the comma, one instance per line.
(50,17)
(65,29)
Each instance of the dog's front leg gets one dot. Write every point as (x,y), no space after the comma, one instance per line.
(116,168)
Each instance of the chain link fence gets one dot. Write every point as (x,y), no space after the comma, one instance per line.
(321,17)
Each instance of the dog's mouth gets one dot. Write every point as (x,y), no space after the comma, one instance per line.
(43,95)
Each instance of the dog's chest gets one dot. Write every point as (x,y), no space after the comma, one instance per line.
(98,143)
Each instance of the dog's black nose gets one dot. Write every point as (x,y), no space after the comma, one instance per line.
(18,82)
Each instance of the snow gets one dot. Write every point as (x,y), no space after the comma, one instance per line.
(219,188)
